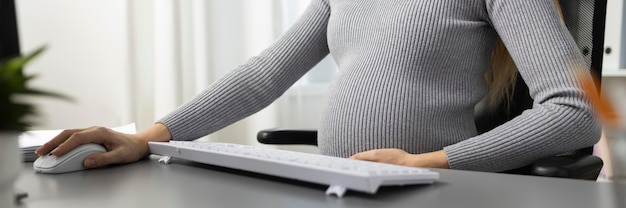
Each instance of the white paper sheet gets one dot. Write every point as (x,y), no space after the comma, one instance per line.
(40,137)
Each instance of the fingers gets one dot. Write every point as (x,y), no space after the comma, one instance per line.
(56,141)
(100,159)
(70,139)
(96,135)
(115,156)
(393,156)
(367,155)
(90,162)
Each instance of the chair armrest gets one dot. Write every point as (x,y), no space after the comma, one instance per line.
(579,166)
(287,136)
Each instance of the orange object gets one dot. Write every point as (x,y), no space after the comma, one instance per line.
(603,107)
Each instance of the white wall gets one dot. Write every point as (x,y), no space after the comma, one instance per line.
(87,59)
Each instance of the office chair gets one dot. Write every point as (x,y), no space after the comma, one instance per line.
(585,20)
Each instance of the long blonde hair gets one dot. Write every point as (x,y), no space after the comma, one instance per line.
(502,74)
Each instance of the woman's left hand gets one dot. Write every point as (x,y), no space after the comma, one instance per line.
(436,159)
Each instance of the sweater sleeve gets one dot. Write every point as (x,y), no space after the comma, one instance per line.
(560,120)
(257,83)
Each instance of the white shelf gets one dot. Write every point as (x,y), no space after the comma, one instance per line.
(614,73)
(614,36)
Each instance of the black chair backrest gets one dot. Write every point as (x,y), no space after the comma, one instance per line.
(585,19)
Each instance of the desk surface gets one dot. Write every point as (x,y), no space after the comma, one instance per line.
(186,184)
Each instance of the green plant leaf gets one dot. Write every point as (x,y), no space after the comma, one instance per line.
(16,64)
(13,82)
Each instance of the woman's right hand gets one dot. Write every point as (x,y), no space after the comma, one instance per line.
(121,148)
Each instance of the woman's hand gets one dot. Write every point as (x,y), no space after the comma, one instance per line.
(436,159)
(121,148)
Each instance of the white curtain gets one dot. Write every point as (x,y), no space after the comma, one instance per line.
(178,48)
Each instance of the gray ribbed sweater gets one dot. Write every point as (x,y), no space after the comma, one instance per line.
(410,74)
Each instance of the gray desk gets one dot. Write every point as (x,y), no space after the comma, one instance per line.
(185,184)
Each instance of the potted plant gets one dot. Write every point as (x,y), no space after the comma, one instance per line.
(16,116)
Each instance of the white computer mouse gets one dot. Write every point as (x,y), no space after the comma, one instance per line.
(69,162)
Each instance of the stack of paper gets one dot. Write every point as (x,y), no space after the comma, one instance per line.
(31,140)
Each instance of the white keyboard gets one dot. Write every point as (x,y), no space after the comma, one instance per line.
(339,173)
